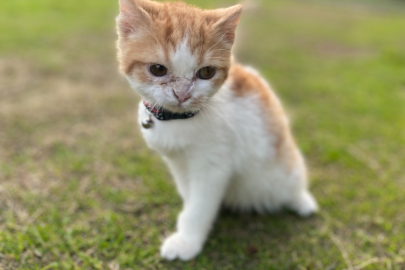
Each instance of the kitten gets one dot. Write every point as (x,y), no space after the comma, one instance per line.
(218,125)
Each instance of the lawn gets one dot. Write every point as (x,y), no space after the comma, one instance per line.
(80,190)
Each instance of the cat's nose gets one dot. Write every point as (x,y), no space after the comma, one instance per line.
(182,96)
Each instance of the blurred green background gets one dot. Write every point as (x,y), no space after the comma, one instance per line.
(80,190)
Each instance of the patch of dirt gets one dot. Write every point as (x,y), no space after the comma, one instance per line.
(16,75)
(90,102)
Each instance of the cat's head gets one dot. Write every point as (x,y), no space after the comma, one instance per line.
(174,55)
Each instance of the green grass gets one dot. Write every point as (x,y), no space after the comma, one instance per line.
(80,190)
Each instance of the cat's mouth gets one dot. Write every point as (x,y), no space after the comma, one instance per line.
(192,105)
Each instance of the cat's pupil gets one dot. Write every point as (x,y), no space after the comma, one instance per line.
(206,73)
(158,70)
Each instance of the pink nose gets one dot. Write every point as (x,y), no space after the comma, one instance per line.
(182,96)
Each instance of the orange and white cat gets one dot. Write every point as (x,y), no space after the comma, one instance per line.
(218,125)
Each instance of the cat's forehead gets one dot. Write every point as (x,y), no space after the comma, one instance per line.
(179,25)
(182,60)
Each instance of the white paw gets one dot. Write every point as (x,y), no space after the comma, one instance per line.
(175,246)
(305,205)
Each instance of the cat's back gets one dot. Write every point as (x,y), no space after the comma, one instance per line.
(249,88)
(260,116)
(245,82)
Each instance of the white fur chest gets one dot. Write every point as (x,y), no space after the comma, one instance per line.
(176,135)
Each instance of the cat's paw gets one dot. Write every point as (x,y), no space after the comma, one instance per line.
(305,204)
(175,246)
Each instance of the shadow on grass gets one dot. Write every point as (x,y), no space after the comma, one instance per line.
(244,240)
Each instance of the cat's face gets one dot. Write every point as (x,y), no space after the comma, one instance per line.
(175,56)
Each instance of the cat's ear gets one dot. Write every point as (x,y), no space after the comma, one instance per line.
(227,22)
(133,18)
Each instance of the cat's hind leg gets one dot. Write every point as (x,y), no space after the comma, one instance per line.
(303,203)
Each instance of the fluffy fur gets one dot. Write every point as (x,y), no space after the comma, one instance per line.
(238,150)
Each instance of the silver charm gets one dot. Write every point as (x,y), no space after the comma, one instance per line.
(147,122)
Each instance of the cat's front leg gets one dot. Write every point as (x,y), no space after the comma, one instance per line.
(204,196)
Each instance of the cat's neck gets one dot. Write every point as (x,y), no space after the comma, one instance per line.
(166,115)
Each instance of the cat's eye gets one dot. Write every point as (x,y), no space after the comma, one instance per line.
(206,73)
(158,70)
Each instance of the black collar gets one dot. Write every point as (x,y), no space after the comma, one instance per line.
(165,115)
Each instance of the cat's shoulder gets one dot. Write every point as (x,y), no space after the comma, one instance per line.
(245,80)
